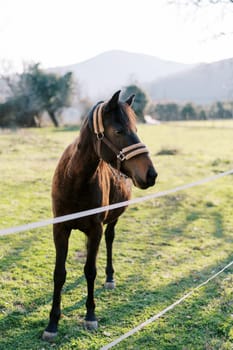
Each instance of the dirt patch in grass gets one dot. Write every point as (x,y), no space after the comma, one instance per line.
(168,152)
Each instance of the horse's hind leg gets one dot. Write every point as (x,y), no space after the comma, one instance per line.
(61,238)
(109,237)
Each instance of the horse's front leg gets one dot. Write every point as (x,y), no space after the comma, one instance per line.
(61,239)
(109,237)
(93,242)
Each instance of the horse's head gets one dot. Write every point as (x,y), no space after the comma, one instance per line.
(117,142)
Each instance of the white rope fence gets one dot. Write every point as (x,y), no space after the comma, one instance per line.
(164,311)
(78,215)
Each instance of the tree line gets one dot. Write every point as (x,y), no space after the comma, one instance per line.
(189,111)
(35,91)
(168,111)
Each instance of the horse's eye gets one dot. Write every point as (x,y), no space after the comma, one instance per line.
(118,131)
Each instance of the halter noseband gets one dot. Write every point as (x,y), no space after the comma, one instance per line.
(127,152)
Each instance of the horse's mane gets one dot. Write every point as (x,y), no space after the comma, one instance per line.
(84,135)
(129,112)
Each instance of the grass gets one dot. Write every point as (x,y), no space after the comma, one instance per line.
(163,248)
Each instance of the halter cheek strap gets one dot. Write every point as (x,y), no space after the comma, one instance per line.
(127,152)
(97,121)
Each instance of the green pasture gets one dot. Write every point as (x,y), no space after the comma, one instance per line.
(163,248)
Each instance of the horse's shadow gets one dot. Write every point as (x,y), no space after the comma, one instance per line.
(166,295)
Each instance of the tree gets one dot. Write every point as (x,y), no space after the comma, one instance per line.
(199,2)
(140,101)
(202,115)
(188,112)
(221,110)
(47,91)
(33,92)
(197,10)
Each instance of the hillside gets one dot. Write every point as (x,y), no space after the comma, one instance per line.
(164,81)
(205,83)
(112,70)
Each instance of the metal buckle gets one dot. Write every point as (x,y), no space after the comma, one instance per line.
(121,156)
(100,136)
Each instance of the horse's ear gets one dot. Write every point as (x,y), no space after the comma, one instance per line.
(130,100)
(113,102)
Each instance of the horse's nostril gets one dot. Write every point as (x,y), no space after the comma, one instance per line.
(151,176)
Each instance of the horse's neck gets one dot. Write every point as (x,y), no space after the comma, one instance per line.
(83,161)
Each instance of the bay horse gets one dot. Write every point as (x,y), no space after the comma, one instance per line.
(96,170)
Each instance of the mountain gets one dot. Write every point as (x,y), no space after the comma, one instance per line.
(101,75)
(205,83)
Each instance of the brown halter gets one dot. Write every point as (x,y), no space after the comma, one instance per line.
(127,152)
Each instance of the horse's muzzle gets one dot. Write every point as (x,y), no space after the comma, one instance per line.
(151,176)
(148,181)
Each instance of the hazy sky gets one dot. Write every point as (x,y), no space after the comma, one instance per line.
(61,32)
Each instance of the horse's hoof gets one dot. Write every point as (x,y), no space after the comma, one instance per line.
(110,285)
(91,325)
(49,336)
